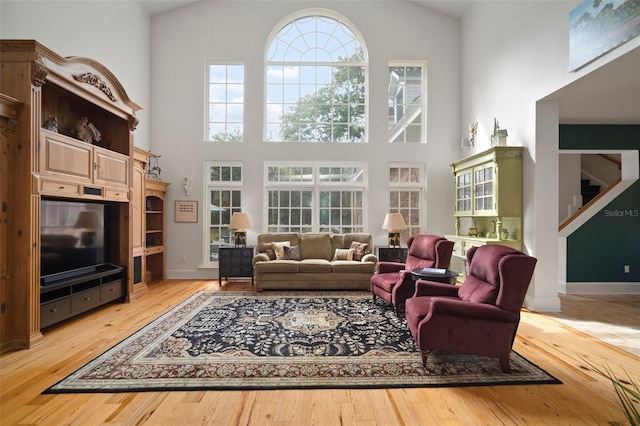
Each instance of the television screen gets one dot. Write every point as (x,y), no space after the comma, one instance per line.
(72,236)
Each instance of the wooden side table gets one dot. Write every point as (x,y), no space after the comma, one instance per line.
(389,254)
(235,262)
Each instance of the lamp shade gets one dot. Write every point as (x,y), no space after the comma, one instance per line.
(240,220)
(394,221)
(88,219)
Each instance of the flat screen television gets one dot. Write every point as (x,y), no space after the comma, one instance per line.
(73,238)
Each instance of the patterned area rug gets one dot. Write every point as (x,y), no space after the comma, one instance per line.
(244,340)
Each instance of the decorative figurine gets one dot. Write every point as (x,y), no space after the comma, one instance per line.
(86,131)
(51,124)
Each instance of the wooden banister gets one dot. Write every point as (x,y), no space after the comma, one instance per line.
(573,217)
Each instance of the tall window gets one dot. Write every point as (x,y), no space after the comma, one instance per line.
(224,197)
(225,101)
(316,82)
(406,183)
(315,197)
(406,103)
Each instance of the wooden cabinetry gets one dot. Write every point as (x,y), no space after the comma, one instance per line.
(155,192)
(56,164)
(59,301)
(487,201)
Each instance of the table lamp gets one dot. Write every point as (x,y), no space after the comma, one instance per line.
(394,223)
(240,221)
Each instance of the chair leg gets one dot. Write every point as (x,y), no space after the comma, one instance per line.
(505,364)
(373,296)
(425,354)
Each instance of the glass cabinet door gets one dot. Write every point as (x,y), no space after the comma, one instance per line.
(483,188)
(463,192)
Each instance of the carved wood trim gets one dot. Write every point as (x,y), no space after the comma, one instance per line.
(39,74)
(96,81)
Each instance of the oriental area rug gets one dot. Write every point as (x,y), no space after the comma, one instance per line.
(244,340)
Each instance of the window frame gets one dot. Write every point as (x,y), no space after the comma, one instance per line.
(226,103)
(423,96)
(315,185)
(267,105)
(403,186)
(218,185)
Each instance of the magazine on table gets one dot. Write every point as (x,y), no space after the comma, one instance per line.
(434,271)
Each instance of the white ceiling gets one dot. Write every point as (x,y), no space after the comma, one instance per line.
(610,94)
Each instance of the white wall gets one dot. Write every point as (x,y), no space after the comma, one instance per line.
(116,34)
(184,38)
(514,54)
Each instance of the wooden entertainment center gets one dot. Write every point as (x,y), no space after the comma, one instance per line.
(50,103)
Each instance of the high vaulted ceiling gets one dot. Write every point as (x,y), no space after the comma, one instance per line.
(610,94)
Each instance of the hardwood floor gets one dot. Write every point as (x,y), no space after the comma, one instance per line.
(585,398)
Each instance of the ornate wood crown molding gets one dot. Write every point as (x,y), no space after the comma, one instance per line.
(38,74)
(95,80)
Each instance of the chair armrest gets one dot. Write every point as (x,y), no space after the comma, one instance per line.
(387,267)
(461,308)
(260,257)
(369,258)
(432,288)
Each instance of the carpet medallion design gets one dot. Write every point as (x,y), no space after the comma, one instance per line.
(246,340)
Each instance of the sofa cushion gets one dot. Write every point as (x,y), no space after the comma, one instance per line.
(277,266)
(350,237)
(316,246)
(316,266)
(351,266)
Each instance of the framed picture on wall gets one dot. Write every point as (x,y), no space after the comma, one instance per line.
(186,211)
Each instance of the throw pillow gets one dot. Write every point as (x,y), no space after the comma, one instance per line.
(269,251)
(359,250)
(279,249)
(292,252)
(343,254)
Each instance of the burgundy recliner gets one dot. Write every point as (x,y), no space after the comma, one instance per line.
(480,317)
(392,281)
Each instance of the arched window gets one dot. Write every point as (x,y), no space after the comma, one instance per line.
(316,70)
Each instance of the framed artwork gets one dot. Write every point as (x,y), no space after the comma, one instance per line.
(597,27)
(186,211)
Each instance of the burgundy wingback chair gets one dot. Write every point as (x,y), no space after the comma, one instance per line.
(392,281)
(480,317)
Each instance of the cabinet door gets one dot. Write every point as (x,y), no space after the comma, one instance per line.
(63,156)
(463,192)
(111,168)
(138,207)
(483,190)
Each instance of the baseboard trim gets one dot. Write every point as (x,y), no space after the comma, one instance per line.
(602,288)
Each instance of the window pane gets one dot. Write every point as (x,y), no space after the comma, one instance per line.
(226,102)
(405,104)
(318,102)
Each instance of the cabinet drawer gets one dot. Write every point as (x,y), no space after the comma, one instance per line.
(111,291)
(85,300)
(117,194)
(58,188)
(54,311)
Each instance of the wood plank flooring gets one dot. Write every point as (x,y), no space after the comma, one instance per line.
(585,398)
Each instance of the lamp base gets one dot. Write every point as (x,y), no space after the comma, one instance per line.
(394,240)
(240,238)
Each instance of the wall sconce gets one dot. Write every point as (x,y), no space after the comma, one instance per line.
(186,184)
(394,222)
(240,221)
(89,221)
